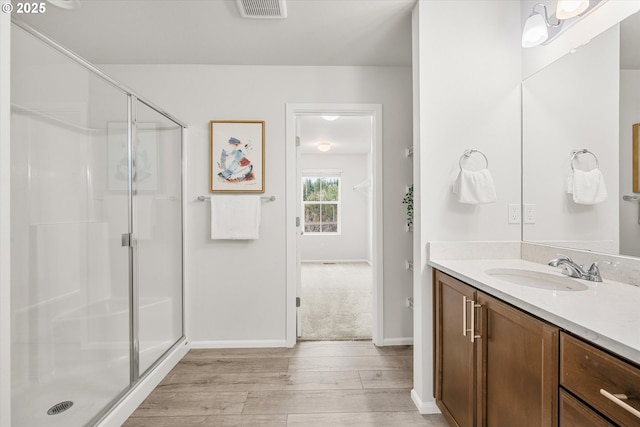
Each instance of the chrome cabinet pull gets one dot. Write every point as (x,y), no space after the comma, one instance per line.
(618,399)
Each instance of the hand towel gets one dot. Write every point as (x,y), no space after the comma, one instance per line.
(588,188)
(475,187)
(235,217)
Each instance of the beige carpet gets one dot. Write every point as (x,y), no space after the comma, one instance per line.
(336,301)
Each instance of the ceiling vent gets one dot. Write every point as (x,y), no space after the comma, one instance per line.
(262,9)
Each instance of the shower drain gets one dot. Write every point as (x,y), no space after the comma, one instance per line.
(59,408)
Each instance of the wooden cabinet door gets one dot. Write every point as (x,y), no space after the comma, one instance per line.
(455,353)
(517,367)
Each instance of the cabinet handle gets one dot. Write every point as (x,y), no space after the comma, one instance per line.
(618,400)
(464,316)
(473,321)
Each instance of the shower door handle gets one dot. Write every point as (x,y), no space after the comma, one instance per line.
(127,240)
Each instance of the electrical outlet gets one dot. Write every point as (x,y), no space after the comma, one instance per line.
(529,214)
(514,213)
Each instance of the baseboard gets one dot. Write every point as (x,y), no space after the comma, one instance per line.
(424,407)
(136,396)
(398,341)
(335,261)
(239,344)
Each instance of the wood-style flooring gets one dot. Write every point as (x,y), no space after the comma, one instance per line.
(345,383)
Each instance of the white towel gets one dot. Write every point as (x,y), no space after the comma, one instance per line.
(588,188)
(235,217)
(474,187)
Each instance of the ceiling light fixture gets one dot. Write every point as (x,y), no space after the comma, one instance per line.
(324,147)
(330,118)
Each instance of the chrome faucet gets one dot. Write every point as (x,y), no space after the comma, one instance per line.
(572,269)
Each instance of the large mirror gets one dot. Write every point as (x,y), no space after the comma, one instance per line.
(578,114)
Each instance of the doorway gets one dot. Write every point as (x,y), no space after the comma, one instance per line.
(334,250)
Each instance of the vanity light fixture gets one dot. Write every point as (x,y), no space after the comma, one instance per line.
(324,147)
(539,30)
(569,8)
(536,27)
(330,118)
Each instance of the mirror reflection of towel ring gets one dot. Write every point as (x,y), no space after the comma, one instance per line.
(468,153)
(583,151)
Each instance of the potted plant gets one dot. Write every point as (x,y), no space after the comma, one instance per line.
(408,200)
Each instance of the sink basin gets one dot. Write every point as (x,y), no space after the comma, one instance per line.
(537,279)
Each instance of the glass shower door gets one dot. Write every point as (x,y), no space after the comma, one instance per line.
(157,227)
(96,237)
(70,346)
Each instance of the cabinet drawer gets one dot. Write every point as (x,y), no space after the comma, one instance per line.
(588,372)
(574,413)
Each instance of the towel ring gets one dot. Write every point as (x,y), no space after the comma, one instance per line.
(468,153)
(583,151)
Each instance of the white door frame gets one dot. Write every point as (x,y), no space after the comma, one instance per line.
(292,111)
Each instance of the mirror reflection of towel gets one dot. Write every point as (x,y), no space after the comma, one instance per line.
(475,187)
(588,188)
(235,217)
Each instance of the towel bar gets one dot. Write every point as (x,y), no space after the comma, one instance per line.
(265,198)
(632,198)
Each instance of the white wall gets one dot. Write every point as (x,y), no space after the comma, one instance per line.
(238,288)
(5,225)
(469,97)
(573,104)
(352,244)
(629,114)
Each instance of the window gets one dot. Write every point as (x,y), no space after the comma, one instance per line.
(321,204)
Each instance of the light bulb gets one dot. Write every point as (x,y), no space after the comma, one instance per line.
(569,8)
(330,118)
(535,31)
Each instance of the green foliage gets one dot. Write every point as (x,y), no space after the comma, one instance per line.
(321,217)
(321,189)
(408,200)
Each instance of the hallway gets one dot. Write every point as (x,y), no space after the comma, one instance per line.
(314,384)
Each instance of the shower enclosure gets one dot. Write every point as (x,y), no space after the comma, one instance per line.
(96,236)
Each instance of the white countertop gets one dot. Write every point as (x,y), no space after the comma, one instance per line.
(607,314)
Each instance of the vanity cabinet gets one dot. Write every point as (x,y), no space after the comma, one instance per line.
(495,365)
(606,383)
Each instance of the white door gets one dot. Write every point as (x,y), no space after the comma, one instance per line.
(299,233)
(295,214)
